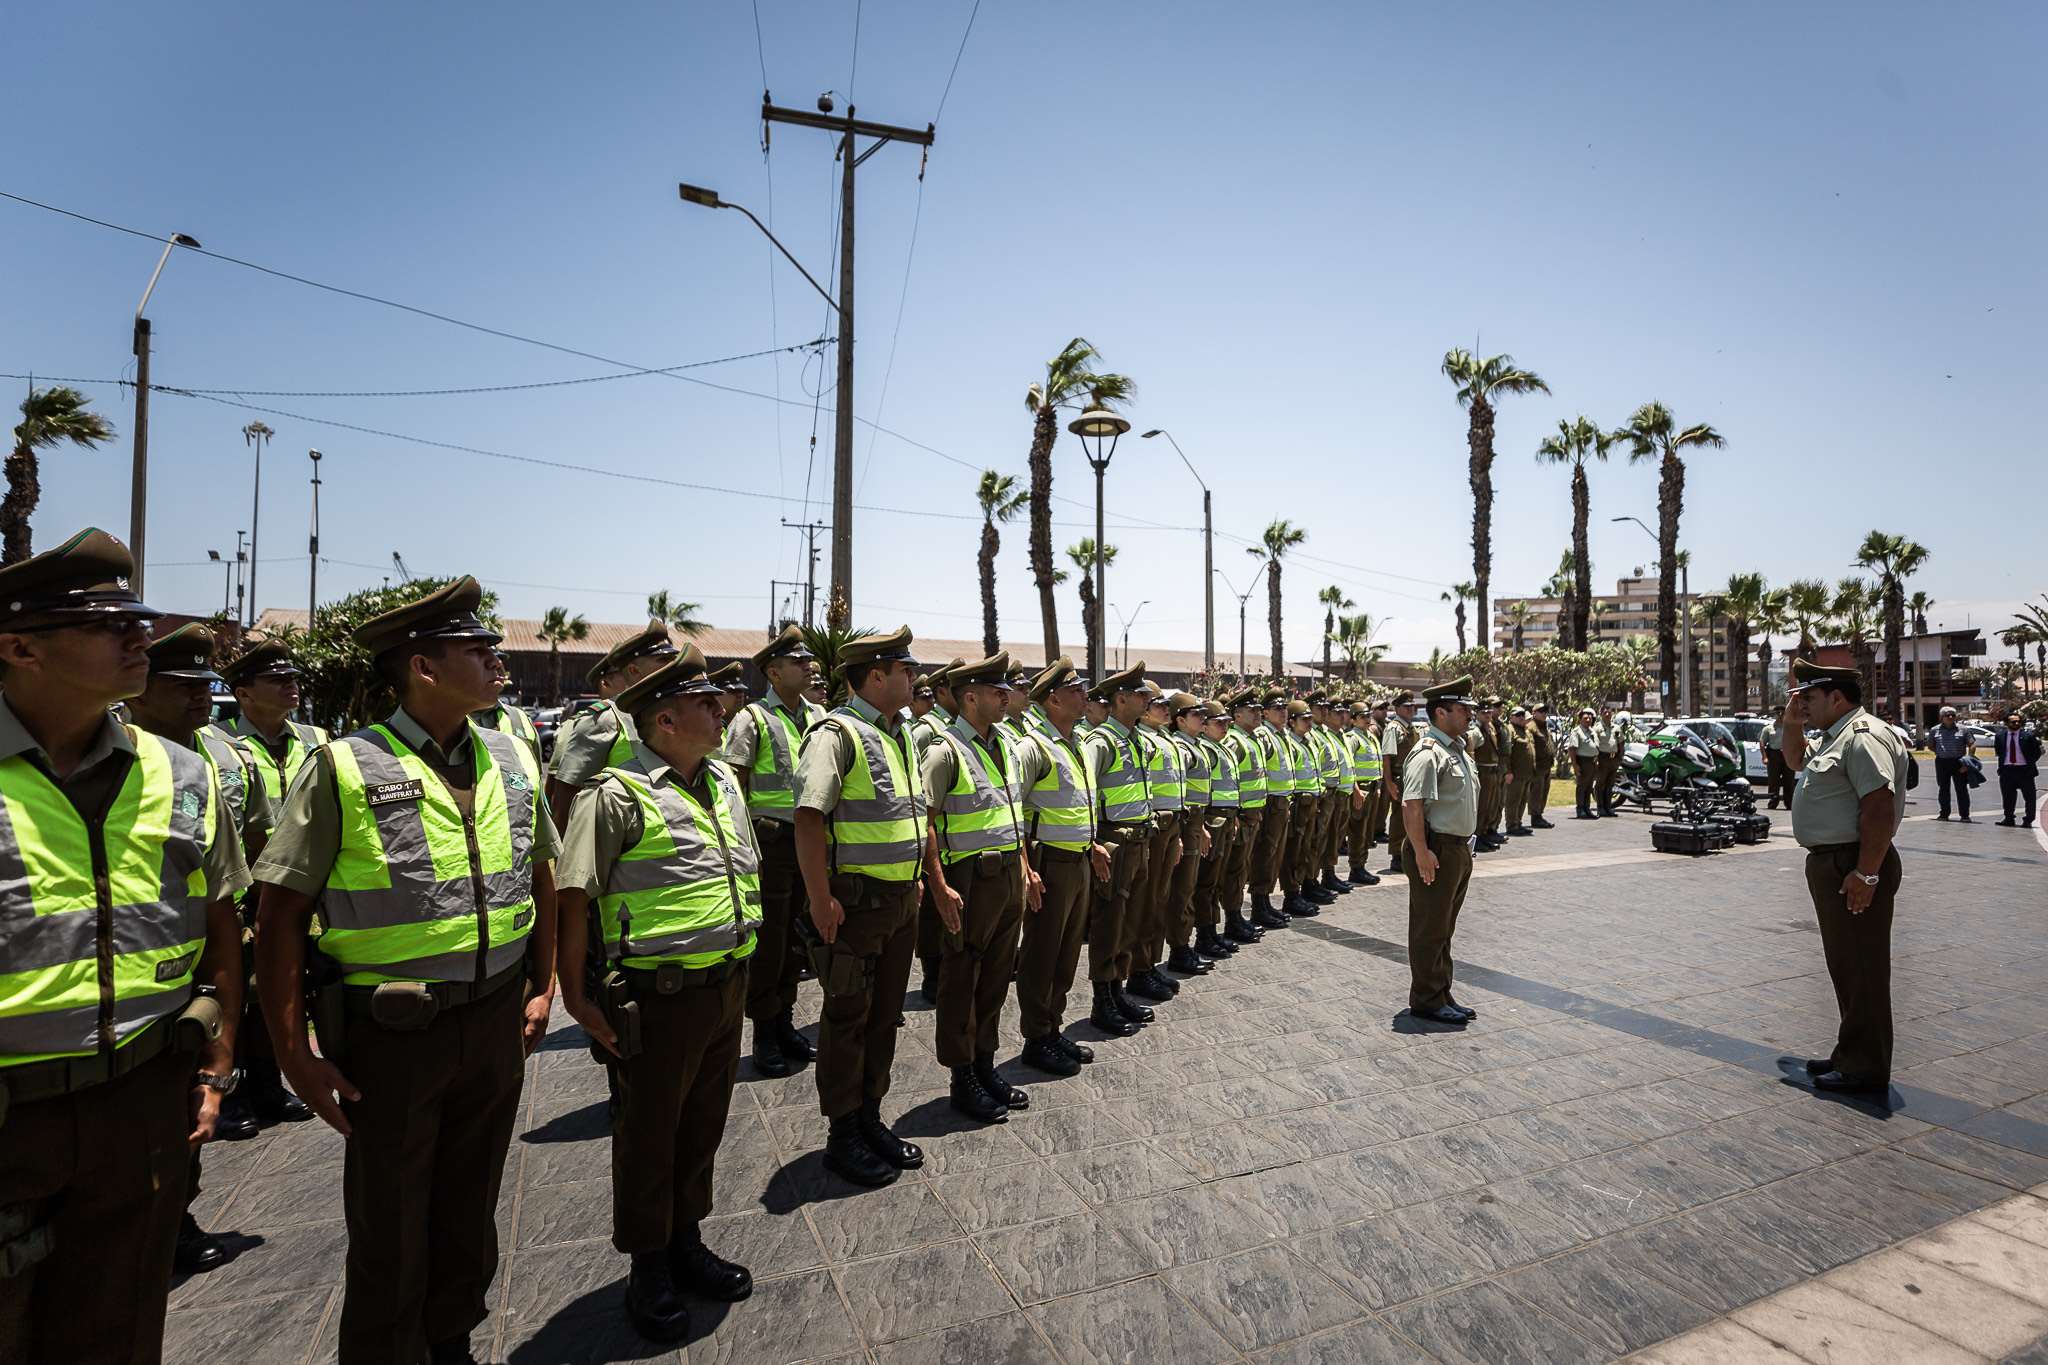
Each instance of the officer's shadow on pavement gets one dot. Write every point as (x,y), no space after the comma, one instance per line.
(594,1327)
(1407,1023)
(1879,1106)
(587,1124)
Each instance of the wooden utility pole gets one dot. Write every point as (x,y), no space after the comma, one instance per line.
(839,612)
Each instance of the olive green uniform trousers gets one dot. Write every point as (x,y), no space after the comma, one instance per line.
(1397,828)
(1433,918)
(1610,764)
(1270,845)
(1053,934)
(975,964)
(1859,957)
(1231,882)
(1187,875)
(420,1179)
(857,1031)
(1151,900)
(774,967)
(1206,906)
(1109,912)
(1336,825)
(95,1182)
(673,1101)
(1489,797)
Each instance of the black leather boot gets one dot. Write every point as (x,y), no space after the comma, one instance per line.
(198,1250)
(969,1098)
(848,1155)
(1237,930)
(1540,823)
(1161,981)
(1129,1008)
(703,1272)
(768,1057)
(1148,985)
(1048,1056)
(657,1310)
(235,1123)
(262,1091)
(1335,884)
(1209,943)
(904,1156)
(1107,1017)
(1000,1090)
(1265,916)
(454,1351)
(1080,1052)
(928,988)
(1183,960)
(1312,892)
(795,1046)
(1361,877)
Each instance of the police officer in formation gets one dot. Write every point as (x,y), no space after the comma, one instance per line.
(117,1037)
(761,744)
(1397,741)
(1584,743)
(599,737)
(1440,787)
(425,843)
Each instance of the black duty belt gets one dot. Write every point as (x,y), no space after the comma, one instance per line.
(1438,837)
(447,994)
(1123,830)
(67,1075)
(1061,855)
(670,977)
(1829,850)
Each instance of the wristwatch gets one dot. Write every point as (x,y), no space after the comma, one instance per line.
(225,1084)
(1867,878)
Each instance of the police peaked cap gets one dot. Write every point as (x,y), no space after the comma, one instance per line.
(86,576)
(184,653)
(446,614)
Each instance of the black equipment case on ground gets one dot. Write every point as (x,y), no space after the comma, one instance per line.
(1687,836)
(1750,829)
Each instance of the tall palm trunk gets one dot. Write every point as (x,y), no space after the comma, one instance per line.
(1582,562)
(555,670)
(24,491)
(1894,631)
(1738,663)
(1866,664)
(1088,604)
(1273,610)
(1330,626)
(1479,436)
(1670,502)
(990,543)
(1461,625)
(1044,432)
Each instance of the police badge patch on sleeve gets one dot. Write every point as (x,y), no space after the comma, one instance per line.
(189,805)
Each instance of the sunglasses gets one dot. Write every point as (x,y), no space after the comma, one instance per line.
(123,626)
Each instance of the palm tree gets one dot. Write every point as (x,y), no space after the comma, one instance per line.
(1918,604)
(1562,587)
(1808,604)
(1068,381)
(1334,600)
(48,417)
(1276,541)
(1638,651)
(1575,440)
(1082,553)
(1000,500)
(2017,638)
(1773,616)
(669,610)
(1436,662)
(1518,621)
(1478,381)
(1354,640)
(1740,604)
(1852,621)
(1460,593)
(1598,617)
(1894,559)
(1654,434)
(558,628)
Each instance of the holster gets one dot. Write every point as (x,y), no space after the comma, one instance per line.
(403,1006)
(327,1005)
(839,972)
(621,1011)
(25,1238)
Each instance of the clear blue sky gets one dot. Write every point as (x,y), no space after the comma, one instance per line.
(1816,227)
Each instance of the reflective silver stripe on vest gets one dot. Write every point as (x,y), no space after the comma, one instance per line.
(1170,775)
(1125,769)
(700,861)
(890,806)
(1064,810)
(415,895)
(984,796)
(778,743)
(1222,775)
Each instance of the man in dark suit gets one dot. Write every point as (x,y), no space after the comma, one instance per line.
(2019,759)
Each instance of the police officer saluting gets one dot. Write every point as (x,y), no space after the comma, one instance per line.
(664,852)
(761,745)
(1060,815)
(426,846)
(1845,810)
(1440,814)
(599,737)
(975,778)
(109,1089)
(266,688)
(863,844)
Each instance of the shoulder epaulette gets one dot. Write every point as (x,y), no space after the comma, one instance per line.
(1860,726)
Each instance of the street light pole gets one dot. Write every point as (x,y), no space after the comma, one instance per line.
(1208,557)
(1097,426)
(313,549)
(138,493)
(1241,597)
(1684,621)
(255,434)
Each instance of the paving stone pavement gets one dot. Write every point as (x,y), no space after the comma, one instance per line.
(1284,1169)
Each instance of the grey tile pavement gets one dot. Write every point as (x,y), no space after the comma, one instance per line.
(1284,1169)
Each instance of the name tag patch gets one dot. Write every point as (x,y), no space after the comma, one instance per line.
(171,968)
(385,793)
(521,920)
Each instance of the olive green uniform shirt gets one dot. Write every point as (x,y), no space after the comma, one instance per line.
(1773,736)
(1856,757)
(1546,746)
(829,753)
(95,783)
(1522,751)
(583,749)
(1396,743)
(1441,775)
(1584,740)
(941,762)
(1608,736)
(303,847)
(606,820)
(743,731)
(1479,742)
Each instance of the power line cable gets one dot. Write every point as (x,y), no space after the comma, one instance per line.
(956,60)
